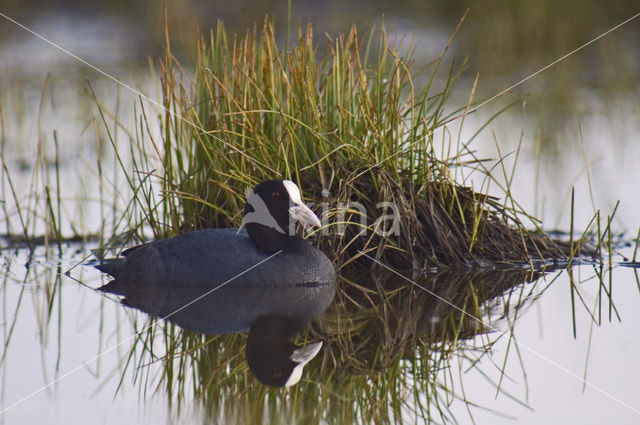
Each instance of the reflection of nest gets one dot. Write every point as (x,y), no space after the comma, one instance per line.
(376,321)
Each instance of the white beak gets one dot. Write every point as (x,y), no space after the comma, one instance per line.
(304,215)
(300,211)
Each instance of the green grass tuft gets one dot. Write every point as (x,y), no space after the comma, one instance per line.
(345,119)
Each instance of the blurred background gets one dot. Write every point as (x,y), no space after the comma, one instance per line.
(503,38)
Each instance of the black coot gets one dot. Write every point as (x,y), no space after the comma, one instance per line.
(238,259)
(212,257)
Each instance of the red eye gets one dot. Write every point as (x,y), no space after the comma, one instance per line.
(275,195)
(277,373)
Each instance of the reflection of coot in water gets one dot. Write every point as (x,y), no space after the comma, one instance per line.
(271,355)
(266,270)
(272,315)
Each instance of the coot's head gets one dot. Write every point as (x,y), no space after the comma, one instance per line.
(271,211)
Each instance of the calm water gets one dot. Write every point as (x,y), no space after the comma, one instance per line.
(83,323)
(54,324)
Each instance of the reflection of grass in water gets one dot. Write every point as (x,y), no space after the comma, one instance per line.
(384,347)
(38,287)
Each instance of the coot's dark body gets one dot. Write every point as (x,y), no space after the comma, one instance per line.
(212,257)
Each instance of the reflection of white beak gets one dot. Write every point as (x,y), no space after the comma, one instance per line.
(304,215)
(302,356)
